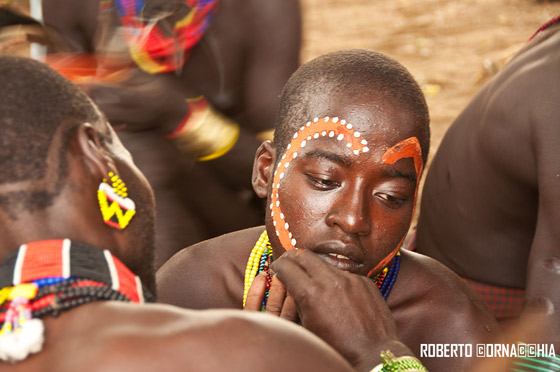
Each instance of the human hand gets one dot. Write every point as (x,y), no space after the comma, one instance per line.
(344,309)
(141,102)
(279,302)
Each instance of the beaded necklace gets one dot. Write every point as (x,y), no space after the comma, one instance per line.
(261,258)
(47,277)
(551,22)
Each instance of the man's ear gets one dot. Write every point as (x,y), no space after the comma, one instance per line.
(96,159)
(262,168)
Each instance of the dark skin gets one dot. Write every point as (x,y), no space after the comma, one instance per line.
(505,139)
(359,208)
(114,336)
(240,66)
(131,339)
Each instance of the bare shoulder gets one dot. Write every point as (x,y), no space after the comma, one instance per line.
(215,266)
(441,305)
(431,305)
(234,244)
(538,73)
(112,336)
(533,69)
(167,338)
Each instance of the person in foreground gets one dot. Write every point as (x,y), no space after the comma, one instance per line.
(77,276)
(490,205)
(341,179)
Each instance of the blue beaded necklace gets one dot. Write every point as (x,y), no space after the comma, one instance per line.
(384,280)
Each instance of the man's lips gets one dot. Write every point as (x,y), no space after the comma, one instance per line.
(347,257)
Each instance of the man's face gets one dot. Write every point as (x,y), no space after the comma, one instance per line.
(352,205)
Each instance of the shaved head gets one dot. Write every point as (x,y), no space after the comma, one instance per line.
(348,73)
(37,103)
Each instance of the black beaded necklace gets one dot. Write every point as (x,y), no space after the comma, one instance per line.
(48,277)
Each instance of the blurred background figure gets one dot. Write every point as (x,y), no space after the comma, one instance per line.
(192,88)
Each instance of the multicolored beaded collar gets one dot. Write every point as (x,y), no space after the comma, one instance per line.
(551,22)
(47,277)
(261,258)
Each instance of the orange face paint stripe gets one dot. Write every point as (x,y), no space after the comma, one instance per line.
(408,148)
(324,127)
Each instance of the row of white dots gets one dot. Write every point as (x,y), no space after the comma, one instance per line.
(303,143)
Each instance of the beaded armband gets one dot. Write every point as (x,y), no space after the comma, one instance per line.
(400,364)
(537,363)
(205,132)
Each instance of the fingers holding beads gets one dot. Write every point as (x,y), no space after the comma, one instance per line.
(256,293)
(280,302)
(333,304)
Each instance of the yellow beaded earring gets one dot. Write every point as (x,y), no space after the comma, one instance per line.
(116,207)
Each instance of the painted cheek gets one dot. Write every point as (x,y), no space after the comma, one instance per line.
(408,148)
(324,127)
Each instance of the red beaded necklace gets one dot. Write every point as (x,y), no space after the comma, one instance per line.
(261,258)
(47,277)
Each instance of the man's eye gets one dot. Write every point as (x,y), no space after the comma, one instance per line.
(322,183)
(391,201)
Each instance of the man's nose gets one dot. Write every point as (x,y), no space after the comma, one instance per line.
(351,212)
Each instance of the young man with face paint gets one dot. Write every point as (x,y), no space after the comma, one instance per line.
(341,180)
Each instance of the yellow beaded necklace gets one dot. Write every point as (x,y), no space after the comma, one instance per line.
(254,262)
(257,262)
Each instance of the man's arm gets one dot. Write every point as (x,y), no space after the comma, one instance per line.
(75,22)
(194,279)
(272,43)
(272,57)
(543,271)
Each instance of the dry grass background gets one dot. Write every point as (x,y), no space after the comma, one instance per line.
(451,47)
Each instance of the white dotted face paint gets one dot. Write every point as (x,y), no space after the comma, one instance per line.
(311,130)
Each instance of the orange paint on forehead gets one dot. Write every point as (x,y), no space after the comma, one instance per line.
(408,148)
(325,127)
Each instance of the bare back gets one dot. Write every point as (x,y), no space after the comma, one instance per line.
(489,196)
(110,336)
